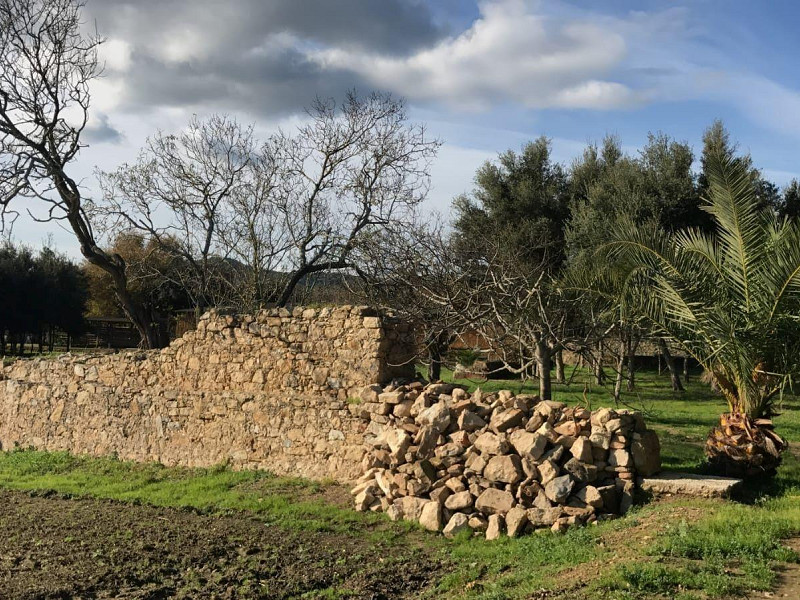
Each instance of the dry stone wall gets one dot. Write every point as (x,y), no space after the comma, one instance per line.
(273,391)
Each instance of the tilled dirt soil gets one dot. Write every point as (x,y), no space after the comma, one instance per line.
(56,547)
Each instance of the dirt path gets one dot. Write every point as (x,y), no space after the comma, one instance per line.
(54,547)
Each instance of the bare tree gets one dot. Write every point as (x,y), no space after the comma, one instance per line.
(520,312)
(46,67)
(252,233)
(411,271)
(179,194)
(350,172)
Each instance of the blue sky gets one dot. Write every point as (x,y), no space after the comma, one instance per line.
(485,76)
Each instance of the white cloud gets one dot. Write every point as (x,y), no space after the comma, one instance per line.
(509,54)
(107,92)
(115,54)
(768,103)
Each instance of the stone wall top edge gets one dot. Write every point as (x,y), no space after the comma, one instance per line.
(212,322)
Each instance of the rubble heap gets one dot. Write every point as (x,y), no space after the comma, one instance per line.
(498,462)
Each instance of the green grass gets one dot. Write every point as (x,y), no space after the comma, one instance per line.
(292,502)
(719,550)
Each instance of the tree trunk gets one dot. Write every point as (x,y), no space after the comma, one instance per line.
(560,377)
(543,362)
(137,315)
(623,347)
(599,374)
(434,367)
(297,276)
(437,348)
(686,369)
(633,344)
(670,362)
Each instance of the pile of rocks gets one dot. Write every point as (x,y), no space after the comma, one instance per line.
(496,463)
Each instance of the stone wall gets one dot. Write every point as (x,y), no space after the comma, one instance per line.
(272,391)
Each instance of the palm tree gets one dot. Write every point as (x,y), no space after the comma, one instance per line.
(730,299)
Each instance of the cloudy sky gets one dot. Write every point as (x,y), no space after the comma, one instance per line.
(485,76)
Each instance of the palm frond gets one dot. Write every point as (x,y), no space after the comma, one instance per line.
(731,299)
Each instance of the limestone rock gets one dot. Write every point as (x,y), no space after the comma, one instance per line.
(398,441)
(394,513)
(589,495)
(457,523)
(516,519)
(363,500)
(469,421)
(477,522)
(505,420)
(504,468)
(494,501)
(437,416)
(430,516)
(527,443)
(620,458)
(646,451)
(581,472)
(548,470)
(489,443)
(543,517)
(459,501)
(495,527)
(411,507)
(689,484)
(582,450)
(558,490)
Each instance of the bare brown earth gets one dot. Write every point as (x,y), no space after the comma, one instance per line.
(55,547)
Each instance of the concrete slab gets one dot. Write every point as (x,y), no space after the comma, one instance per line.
(690,484)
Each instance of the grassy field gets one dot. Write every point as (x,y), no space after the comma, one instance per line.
(674,548)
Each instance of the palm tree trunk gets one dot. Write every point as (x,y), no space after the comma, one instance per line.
(743,447)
